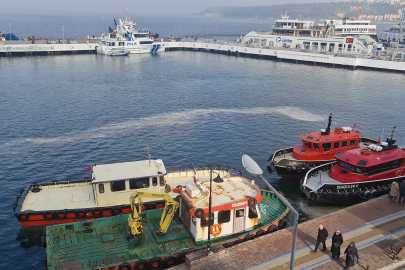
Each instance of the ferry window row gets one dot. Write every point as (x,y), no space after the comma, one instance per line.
(224,216)
(137,183)
(371,170)
(328,146)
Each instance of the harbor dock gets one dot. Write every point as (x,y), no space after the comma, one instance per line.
(374,226)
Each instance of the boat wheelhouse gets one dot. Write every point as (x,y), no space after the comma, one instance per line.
(240,212)
(356,175)
(348,36)
(317,148)
(106,193)
(395,35)
(126,37)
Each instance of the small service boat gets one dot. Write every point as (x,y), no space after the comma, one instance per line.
(115,52)
(317,148)
(129,38)
(356,175)
(106,193)
(161,238)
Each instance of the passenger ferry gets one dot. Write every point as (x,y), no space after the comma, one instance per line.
(394,35)
(159,239)
(128,38)
(317,148)
(106,193)
(348,36)
(357,175)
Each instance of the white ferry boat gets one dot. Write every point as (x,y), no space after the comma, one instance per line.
(335,36)
(126,37)
(394,35)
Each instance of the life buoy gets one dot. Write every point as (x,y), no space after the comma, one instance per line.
(61,215)
(199,213)
(49,215)
(282,223)
(170,261)
(252,202)
(365,151)
(216,230)
(272,228)
(182,257)
(141,265)
(80,214)
(156,263)
(125,265)
(399,173)
(22,217)
(97,213)
(116,211)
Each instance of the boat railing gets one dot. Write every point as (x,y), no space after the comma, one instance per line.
(317,171)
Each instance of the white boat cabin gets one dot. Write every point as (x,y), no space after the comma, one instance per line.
(234,207)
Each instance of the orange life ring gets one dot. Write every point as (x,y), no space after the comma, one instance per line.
(366,151)
(399,173)
(216,230)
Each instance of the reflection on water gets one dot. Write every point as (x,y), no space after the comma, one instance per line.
(29,237)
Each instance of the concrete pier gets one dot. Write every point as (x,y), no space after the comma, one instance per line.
(374,226)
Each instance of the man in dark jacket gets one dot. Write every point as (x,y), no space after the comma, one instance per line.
(401,193)
(322,235)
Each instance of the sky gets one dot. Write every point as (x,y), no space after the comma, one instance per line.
(115,7)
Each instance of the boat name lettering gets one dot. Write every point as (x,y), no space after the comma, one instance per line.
(347,186)
(239,204)
(287,40)
(390,157)
(131,44)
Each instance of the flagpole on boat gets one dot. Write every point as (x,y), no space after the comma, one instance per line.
(253,168)
(209,216)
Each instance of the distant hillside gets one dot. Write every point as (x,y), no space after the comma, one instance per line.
(301,11)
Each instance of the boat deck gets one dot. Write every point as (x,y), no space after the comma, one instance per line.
(315,182)
(106,243)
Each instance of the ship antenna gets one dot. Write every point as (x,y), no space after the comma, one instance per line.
(327,131)
(147,149)
(337,12)
(125,8)
(392,133)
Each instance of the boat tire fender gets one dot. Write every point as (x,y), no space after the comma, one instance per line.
(116,211)
(238,242)
(249,237)
(252,202)
(156,263)
(43,241)
(289,168)
(22,217)
(61,215)
(227,245)
(373,193)
(199,213)
(14,206)
(314,196)
(367,194)
(282,223)
(170,261)
(142,264)
(299,169)
(182,257)
(49,215)
(272,229)
(80,214)
(97,213)
(125,266)
(306,194)
(151,206)
(260,233)
(289,216)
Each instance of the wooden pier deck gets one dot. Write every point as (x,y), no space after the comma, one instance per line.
(374,226)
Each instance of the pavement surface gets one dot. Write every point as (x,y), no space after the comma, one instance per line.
(374,226)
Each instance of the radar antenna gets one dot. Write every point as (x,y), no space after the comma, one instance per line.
(327,131)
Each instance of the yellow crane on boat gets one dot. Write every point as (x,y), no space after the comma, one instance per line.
(135,219)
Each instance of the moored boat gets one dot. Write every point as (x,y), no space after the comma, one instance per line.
(357,175)
(105,193)
(317,148)
(161,238)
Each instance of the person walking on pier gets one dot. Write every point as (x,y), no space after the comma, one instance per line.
(322,235)
(351,255)
(394,191)
(401,193)
(337,241)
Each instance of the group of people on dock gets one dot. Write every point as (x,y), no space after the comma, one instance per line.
(337,240)
(397,193)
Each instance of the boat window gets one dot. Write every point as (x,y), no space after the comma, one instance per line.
(121,44)
(154,181)
(224,216)
(253,213)
(139,183)
(344,144)
(205,219)
(316,146)
(360,170)
(347,166)
(162,181)
(307,144)
(396,163)
(336,145)
(326,146)
(309,137)
(101,188)
(145,42)
(352,142)
(373,170)
(362,163)
(117,186)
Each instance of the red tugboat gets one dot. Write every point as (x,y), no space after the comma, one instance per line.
(356,175)
(317,148)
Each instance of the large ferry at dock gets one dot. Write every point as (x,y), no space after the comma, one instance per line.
(349,36)
(128,38)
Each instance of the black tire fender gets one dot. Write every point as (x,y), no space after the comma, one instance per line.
(306,194)
(156,263)
(151,206)
(289,216)
(125,266)
(22,216)
(260,233)
(142,264)
(289,168)
(227,245)
(97,213)
(81,214)
(170,260)
(272,228)
(238,242)
(49,215)
(249,237)
(61,215)
(182,257)
(282,223)
(116,211)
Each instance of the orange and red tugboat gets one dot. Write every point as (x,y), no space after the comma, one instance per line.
(356,175)
(317,148)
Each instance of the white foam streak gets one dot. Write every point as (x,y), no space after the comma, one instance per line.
(176,118)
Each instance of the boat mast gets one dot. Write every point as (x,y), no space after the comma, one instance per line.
(125,8)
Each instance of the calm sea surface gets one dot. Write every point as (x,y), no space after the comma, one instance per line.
(59,114)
